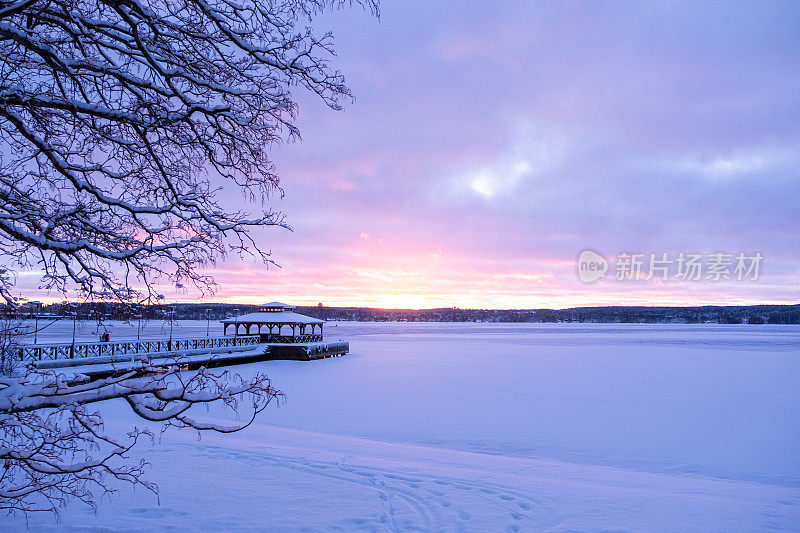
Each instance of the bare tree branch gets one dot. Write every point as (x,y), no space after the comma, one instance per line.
(53,449)
(121,121)
(117,116)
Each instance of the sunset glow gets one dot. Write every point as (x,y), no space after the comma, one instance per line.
(490,144)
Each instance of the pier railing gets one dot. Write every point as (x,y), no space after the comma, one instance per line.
(287,339)
(131,348)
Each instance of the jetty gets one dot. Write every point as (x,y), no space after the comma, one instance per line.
(276,331)
(285,333)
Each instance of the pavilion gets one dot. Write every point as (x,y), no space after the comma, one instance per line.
(277,323)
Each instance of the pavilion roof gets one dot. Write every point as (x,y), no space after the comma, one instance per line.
(273,317)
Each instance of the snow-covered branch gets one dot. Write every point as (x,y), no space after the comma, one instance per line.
(54,449)
(120,121)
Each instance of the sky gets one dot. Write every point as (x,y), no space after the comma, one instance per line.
(491,143)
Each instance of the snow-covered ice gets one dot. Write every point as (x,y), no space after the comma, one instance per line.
(491,427)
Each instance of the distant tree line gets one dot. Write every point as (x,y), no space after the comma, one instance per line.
(749,314)
(753,314)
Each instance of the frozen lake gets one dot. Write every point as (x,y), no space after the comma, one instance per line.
(580,426)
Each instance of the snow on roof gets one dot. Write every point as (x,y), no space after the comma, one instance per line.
(273,317)
(278,305)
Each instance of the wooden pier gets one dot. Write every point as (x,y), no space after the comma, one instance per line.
(280,333)
(126,349)
(161,351)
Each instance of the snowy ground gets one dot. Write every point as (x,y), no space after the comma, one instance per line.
(483,427)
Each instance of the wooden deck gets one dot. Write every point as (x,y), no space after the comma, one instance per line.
(103,358)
